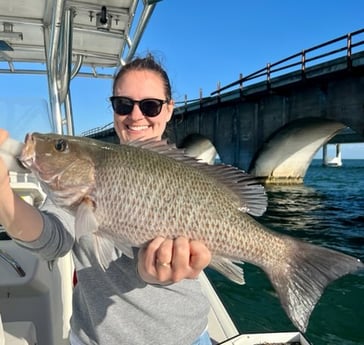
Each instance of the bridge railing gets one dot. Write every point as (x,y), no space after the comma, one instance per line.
(345,45)
(342,46)
(97,130)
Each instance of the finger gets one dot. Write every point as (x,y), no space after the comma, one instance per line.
(181,253)
(181,259)
(164,254)
(200,256)
(162,261)
(150,255)
(3,135)
(147,268)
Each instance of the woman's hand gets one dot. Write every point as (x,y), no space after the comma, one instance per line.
(21,220)
(166,261)
(4,178)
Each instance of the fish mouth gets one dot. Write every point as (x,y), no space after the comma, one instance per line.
(27,155)
(28,158)
(27,161)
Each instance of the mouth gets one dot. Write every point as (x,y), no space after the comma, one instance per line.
(27,162)
(137,128)
(27,155)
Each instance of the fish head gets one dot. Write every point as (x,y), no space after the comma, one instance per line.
(62,164)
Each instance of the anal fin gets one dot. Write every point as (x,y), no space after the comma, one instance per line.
(228,269)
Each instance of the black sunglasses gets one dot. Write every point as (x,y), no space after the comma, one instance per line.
(149,106)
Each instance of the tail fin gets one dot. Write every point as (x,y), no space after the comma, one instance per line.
(309,269)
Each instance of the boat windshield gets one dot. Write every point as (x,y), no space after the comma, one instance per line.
(22,115)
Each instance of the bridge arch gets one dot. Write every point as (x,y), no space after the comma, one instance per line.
(200,147)
(287,154)
(263,127)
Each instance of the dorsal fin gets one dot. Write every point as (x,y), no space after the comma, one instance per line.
(250,194)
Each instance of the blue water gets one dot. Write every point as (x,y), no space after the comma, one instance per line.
(328,209)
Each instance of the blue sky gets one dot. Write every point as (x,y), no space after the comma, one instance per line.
(203,42)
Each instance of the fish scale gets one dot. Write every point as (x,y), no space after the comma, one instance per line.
(161,202)
(126,195)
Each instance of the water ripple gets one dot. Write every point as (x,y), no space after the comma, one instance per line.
(326,210)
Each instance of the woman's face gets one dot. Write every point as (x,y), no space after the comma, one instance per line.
(139,85)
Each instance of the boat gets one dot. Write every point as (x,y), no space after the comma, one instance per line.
(64,39)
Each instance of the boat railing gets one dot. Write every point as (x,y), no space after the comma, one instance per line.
(16,178)
(27,187)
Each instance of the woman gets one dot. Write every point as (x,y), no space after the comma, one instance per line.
(153,299)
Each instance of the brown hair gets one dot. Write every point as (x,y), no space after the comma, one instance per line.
(147,63)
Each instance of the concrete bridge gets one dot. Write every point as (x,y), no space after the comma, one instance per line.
(272,122)
(273,128)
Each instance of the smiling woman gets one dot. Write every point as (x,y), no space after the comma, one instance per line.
(145,83)
(194,65)
(135,279)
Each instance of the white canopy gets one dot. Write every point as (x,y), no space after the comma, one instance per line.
(64,38)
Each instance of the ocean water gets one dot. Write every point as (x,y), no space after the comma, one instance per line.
(328,209)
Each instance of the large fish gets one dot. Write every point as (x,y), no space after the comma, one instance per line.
(129,194)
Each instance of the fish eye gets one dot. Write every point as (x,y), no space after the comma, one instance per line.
(61,145)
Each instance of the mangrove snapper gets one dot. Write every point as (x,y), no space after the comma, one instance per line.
(126,195)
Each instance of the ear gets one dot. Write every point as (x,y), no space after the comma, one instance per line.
(170,108)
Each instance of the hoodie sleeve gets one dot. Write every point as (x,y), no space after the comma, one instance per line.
(57,237)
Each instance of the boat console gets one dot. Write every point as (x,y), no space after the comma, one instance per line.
(35,295)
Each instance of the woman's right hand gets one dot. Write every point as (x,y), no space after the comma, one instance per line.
(20,219)
(4,175)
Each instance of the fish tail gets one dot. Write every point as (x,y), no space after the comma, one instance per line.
(300,282)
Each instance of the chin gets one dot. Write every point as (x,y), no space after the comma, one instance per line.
(138,135)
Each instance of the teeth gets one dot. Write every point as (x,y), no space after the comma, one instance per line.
(138,128)
(27,162)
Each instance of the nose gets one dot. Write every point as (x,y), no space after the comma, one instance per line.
(136,113)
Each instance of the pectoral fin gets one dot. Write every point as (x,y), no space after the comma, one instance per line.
(86,223)
(85,220)
(105,249)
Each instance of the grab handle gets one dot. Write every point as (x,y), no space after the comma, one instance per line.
(12,262)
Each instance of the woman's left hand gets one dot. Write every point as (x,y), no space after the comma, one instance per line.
(166,261)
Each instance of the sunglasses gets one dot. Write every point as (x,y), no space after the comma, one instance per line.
(149,106)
